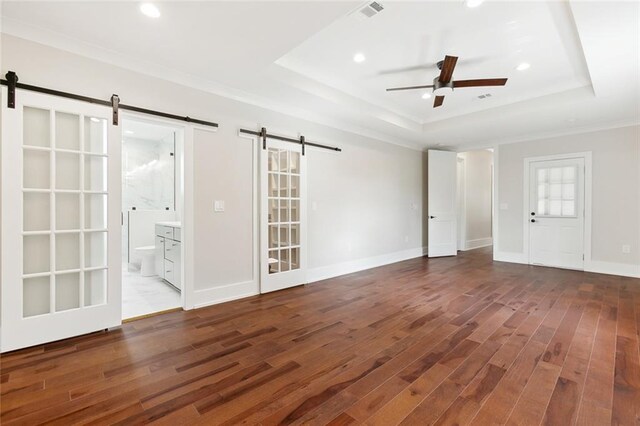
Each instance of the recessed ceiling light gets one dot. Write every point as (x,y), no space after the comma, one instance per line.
(523,66)
(358,58)
(473,3)
(150,10)
(426,95)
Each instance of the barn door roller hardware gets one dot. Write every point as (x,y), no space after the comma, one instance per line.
(12,84)
(302,141)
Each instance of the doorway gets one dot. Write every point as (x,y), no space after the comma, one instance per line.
(555,211)
(151,217)
(475,199)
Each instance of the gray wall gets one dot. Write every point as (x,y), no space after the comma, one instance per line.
(616,190)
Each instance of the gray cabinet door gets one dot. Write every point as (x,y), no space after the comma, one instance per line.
(160,256)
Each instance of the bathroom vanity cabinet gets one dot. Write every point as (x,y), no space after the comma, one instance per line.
(168,253)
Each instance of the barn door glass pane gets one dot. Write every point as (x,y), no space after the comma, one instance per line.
(64,198)
(283,189)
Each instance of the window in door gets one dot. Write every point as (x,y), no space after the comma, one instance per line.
(556,191)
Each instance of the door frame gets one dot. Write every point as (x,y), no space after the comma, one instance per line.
(184,198)
(461,174)
(587,157)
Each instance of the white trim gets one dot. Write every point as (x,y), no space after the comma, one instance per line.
(587,156)
(511,257)
(613,268)
(551,134)
(185,200)
(477,243)
(461,204)
(495,224)
(224,293)
(337,269)
(255,161)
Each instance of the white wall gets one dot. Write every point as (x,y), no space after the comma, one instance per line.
(368,197)
(477,197)
(615,195)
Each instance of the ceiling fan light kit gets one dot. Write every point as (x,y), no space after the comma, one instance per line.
(444,83)
(441,88)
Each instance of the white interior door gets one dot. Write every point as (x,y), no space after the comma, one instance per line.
(556,213)
(442,202)
(283,225)
(60,220)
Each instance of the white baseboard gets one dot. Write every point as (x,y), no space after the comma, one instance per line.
(595,266)
(512,257)
(613,268)
(225,293)
(478,243)
(331,271)
(229,292)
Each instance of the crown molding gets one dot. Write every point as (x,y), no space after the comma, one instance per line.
(551,134)
(19,29)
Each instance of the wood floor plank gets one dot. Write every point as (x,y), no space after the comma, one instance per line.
(456,340)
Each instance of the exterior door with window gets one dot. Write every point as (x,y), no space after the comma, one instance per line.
(283,226)
(556,213)
(60,220)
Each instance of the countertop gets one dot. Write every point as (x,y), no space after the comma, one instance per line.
(171,224)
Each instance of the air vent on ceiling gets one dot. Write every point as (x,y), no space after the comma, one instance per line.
(369,10)
(486,95)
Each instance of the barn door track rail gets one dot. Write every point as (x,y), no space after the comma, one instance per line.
(12,84)
(301,141)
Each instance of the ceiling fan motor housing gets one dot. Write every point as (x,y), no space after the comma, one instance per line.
(440,88)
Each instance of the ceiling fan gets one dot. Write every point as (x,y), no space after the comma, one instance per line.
(443,84)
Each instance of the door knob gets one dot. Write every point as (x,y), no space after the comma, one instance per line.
(533,213)
(533,220)
(432,217)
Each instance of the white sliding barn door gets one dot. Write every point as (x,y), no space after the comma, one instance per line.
(60,220)
(442,203)
(283,224)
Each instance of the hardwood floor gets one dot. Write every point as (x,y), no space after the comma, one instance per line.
(443,341)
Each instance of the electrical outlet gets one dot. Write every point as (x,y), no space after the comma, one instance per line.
(218,205)
(626,249)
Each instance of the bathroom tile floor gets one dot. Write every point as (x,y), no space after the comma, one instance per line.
(146,295)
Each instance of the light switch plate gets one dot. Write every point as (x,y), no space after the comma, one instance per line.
(218,205)
(626,249)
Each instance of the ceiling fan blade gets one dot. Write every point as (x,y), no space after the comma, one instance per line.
(429,86)
(480,82)
(467,61)
(438,101)
(447,68)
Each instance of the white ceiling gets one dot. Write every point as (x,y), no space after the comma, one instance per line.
(296,57)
